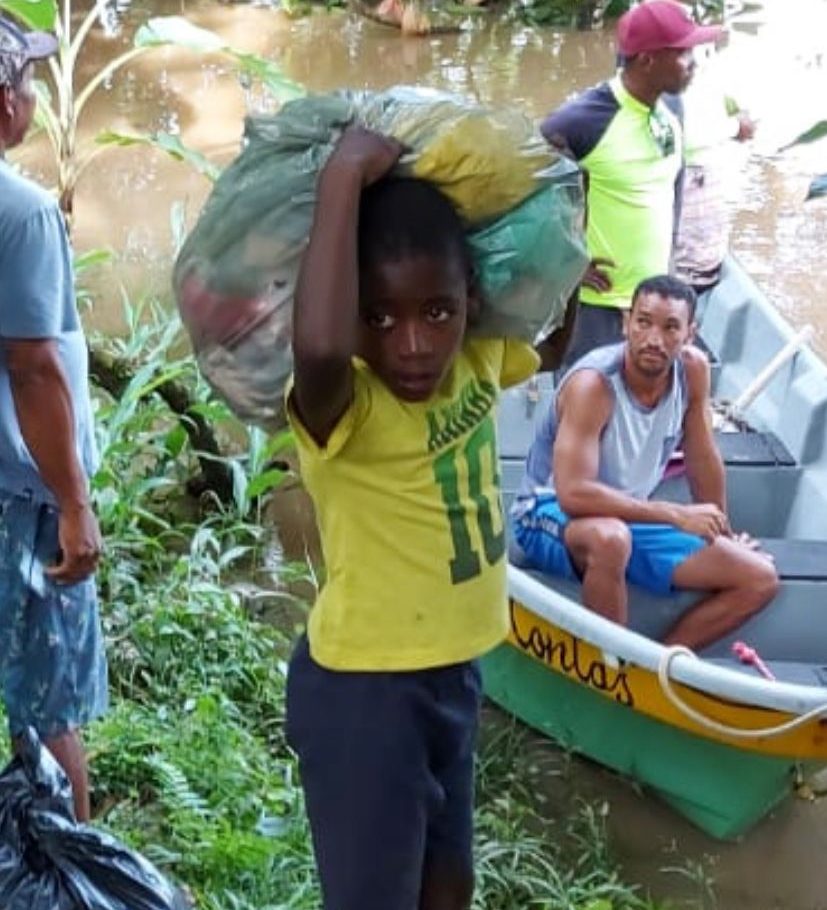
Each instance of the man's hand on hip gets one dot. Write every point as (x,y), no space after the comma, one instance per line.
(596,276)
(80,545)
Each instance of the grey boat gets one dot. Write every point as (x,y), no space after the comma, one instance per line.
(721,740)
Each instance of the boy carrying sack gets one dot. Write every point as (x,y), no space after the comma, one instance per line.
(393,407)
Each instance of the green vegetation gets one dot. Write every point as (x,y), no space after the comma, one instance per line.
(61,102)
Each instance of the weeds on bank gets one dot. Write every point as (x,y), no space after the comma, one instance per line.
(525,859)
(190,765)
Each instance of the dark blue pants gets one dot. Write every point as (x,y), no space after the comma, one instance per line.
(387,767)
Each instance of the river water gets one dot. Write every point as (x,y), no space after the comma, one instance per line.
(774,66)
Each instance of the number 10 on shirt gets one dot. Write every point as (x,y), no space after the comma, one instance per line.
(466,563)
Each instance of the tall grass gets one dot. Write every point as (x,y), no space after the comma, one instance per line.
(190,766)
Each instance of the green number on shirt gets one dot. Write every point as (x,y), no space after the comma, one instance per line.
(466,562)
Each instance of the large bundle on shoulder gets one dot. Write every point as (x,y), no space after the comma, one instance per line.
(236,273)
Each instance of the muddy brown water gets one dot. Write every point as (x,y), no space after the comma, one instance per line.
(774,65)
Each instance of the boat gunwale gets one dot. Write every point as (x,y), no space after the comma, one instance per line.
(626,644)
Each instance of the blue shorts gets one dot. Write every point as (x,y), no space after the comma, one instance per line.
(657,549)
(52,662)
(387,768)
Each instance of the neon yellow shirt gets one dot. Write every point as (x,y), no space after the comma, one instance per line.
(631,198)
(408,505)
(631,182)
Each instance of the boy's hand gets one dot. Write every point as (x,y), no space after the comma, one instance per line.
(363,152)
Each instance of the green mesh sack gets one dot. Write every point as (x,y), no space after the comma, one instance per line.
(235,275)
(531,259)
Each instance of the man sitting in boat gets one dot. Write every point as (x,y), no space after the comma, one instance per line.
(584,510)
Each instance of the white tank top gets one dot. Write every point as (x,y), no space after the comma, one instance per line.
(636,443)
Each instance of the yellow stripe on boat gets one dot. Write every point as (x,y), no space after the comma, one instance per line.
(639,689)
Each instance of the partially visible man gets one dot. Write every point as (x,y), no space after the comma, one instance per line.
(712,121)
(584,510)
(629,143)
(51,651)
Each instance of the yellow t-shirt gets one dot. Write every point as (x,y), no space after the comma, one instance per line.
(408,505)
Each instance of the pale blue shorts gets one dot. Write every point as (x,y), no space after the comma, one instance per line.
(52,662)
(539,524)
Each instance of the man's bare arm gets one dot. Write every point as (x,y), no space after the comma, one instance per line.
(585,408)
(45,413)
(704,466)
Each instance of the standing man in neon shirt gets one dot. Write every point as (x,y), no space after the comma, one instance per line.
(629,142)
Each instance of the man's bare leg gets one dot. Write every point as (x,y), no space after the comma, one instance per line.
(744,582)
(71,756)
(600,549)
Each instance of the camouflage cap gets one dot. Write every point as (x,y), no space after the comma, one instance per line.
(17,48)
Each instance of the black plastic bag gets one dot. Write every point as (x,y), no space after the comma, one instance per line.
(50,862)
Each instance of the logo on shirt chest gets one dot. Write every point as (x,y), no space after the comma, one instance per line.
(448,422)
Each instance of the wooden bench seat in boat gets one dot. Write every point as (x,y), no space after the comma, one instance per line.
(798,560)
(748,448)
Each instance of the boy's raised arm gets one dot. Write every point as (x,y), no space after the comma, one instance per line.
(326,314)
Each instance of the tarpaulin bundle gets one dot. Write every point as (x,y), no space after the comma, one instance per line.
(50,862)
(235,276)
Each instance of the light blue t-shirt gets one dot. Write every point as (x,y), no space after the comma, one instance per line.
(37,300)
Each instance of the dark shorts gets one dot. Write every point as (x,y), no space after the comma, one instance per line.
(657,549)
(387,768)
(594,326)
(52,661)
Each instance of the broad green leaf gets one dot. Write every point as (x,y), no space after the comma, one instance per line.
(164,142)
(91,258)
(269,74)
(279,443)
(616,8)
(178,31)
(175,30)
(818,187)
(35,14)
(175,440)
(817,131)
(263,482)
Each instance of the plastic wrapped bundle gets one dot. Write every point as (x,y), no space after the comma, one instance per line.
(50,862)
(236,273)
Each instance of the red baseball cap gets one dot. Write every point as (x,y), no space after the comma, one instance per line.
(655,25)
